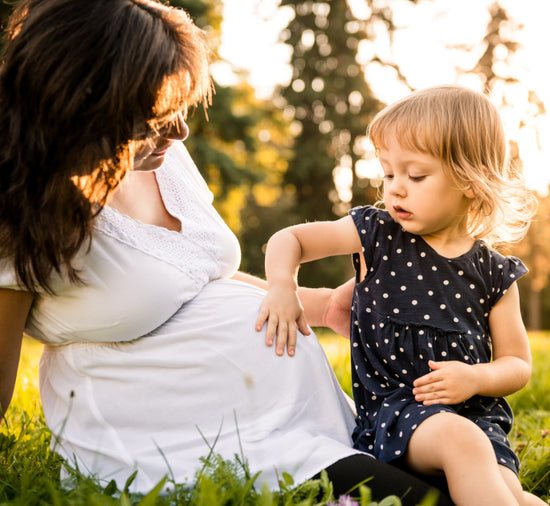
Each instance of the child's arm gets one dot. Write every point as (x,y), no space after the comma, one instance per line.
(453,382)
(323,307)
(286,250)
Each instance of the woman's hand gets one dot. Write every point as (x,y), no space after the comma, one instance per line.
(282,310)
(450,382)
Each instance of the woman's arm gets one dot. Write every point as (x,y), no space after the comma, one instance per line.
(453,382)
(14,309)
(328,307)
(250,279)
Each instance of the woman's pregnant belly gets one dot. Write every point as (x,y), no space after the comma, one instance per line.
(203,380)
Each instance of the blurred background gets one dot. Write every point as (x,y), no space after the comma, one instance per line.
(297,83)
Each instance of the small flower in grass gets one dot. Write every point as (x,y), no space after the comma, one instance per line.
(544,432)
(344,500)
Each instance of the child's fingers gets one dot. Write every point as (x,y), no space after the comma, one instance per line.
(302,325)
(431,394)
(432,376)
(280,330)
(262,317)
(282,336)
(422,380)
(292,338)
(435,400)
(427,382)
(271,330)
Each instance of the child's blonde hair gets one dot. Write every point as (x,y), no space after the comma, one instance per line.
(463,129)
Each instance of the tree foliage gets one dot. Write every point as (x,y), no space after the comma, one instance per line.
(328,104)
(223,138)
(329,101)
(494,69)
(273,163)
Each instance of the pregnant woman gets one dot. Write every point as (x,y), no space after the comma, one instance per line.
(113,256)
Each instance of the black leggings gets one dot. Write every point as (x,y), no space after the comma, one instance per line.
(383,480)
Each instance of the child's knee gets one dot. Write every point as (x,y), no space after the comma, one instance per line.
(445,441)
(450,430)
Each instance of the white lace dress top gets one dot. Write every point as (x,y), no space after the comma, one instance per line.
(137,275)
(155,362)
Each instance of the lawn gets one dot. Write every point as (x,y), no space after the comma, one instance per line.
(29,471)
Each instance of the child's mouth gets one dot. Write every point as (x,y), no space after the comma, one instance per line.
(402,214)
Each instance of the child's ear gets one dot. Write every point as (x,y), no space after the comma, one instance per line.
(469,193)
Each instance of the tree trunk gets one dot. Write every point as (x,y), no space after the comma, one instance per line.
(534,314)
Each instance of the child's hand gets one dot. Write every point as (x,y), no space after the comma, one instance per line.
(450,382)
(284,314)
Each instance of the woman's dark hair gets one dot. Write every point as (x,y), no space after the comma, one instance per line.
(81,81)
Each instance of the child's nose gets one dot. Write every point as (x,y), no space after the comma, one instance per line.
(398,187)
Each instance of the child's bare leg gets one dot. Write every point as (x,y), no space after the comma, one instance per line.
(532,500)
(524,498)
(455,445)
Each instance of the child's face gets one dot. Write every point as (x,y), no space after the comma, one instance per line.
(418,193)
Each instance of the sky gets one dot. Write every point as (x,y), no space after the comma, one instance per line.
(251,29)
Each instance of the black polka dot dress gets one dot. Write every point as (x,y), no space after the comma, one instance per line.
(413,306)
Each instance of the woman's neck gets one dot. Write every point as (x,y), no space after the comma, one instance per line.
(139,197)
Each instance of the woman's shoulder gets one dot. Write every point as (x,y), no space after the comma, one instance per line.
(8,278)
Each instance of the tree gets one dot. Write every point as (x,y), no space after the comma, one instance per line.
(218,140)
(329,105)
(237,146)
(237,143)
(533,250)
(329,101)
(496,72)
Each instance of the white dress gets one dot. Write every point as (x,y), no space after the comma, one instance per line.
(155,361)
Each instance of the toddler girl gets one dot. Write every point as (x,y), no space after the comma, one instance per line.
(437,337)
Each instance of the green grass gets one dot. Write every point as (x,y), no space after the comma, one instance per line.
(531,433)
(29,472)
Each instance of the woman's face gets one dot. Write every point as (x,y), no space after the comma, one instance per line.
(151,155)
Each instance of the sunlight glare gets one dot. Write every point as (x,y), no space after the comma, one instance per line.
(431,47)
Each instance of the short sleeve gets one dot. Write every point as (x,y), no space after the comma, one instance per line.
(504,271)
(8,278)
(372,227)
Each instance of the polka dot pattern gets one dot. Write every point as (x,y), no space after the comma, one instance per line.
(413,306)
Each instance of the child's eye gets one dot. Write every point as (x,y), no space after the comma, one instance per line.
(416,179)
(388,176)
